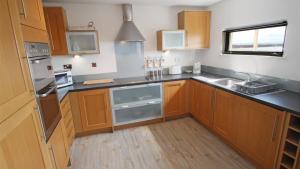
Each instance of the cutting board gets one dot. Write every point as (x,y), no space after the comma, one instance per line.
(99,81)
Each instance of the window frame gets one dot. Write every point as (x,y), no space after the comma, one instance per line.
(226,39)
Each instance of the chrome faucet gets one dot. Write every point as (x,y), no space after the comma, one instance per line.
(249,79)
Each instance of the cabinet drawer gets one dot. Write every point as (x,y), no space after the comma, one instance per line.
(138,93)
(138,113)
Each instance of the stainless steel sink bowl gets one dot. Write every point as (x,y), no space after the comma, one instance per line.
(208,78)
(255,87)
(228,82)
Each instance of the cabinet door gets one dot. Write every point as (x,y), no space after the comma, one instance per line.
(31,13)
(188,95)
(15,84)
(174,98)
(223,114)
(204,98)
(194,100)
(56,23)
(168,40)
(21,141)
(57,148)
(258,131)
(197,26)
(67,118)
(95,109)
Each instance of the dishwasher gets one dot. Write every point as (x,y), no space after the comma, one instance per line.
(131,104)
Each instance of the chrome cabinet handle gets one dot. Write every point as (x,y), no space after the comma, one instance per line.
(124,106)
(23,12)
(274,133)
(52,154)
(151,102)
(153,84)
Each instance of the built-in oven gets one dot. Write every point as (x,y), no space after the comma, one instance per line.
(63,78)
(44,85)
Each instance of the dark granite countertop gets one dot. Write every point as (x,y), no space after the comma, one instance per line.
(62,92)
(282,100)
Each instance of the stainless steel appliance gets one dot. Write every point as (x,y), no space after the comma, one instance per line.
(44,85)
(63,78)
(128,31)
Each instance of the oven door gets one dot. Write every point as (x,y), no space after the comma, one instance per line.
(49,108)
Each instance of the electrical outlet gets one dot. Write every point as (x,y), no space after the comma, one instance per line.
(94,64)
(67,66)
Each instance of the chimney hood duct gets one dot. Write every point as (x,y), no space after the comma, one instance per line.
(129,32)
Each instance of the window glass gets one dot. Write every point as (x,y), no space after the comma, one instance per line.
(256,40)
(241,41)
(271,39)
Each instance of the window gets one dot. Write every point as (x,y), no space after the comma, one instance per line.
(256,40)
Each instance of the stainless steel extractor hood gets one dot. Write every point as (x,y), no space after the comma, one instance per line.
(129,32)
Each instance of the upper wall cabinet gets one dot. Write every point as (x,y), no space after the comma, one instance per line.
(197,27)
(31,12)
(56,22)
(168,40)
(32,20)
(83,42)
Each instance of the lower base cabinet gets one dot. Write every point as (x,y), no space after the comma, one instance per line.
(95,109)
(175,98)
(58,147)
(253,129)
(67,118)
(258,130)
(202,103)
(21,141)
(223,115)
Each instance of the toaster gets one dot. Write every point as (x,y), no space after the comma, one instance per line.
(175,70)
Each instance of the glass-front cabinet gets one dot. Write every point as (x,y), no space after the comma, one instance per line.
(136,103)
(170,40)
(83,42)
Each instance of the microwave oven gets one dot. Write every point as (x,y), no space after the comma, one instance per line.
(63,78)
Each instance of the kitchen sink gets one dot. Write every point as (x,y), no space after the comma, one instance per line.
(255,87)
(228,82)
(208,78)
(244,86)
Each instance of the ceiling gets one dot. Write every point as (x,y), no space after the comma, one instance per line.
(146,2)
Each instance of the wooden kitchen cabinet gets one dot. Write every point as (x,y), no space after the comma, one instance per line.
(202,103)
(67,119)
(58,147)
(21,142)
(258,130)
(95,109)
(223,114)
(197,27)
(15,85)
(194,94)
(175,98)
(32,20)
(170,40)
(289,154)
(57,25)
(31,13)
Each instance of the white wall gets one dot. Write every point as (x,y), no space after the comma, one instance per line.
(236,13)
(108,20)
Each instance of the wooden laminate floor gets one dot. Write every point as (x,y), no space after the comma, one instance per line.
(178,144)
